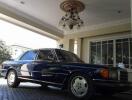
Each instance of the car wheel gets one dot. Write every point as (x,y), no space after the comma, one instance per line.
(12,79)
(80,86)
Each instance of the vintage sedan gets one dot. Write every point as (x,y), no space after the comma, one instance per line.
(65,70)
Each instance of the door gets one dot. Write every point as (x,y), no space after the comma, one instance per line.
(102,53)
(51,69)
(25,63)
(123,52)
(47,65)
(116,52)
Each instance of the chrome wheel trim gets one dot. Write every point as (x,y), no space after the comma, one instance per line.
(11,78)
(79,86)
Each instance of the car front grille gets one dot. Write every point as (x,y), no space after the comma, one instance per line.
(123,76)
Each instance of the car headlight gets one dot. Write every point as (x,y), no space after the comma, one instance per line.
(109,74)
(113,74)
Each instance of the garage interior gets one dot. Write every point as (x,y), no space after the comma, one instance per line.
(105,38)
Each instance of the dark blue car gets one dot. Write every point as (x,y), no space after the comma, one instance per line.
(65,70)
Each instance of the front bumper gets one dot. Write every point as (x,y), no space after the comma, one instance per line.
(109,85)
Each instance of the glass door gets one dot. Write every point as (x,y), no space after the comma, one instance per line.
(112,53)
(124,52)
(102,53)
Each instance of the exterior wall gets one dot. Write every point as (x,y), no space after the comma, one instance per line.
(71,45)
(101,31)
(65,41)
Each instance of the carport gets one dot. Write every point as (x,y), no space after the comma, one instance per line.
(107,25)
(105,38)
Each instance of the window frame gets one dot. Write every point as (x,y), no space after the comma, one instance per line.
(114,38)
(80,61)
(95,45)
(55,59)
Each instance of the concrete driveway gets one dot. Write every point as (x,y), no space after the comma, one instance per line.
(29,91)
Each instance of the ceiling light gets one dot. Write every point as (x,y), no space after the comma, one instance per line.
(71,19)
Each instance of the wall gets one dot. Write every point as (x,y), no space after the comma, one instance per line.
(101,31)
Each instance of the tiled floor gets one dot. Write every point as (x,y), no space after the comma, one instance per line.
(27,91)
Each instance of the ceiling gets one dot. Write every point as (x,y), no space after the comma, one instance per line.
(48,12)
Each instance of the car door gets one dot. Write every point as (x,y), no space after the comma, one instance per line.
(26,61)
(50,68)
(44,58)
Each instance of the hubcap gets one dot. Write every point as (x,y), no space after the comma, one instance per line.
(11,78)
(79,86)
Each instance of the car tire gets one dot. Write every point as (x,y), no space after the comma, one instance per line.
(12,79)
(80,86)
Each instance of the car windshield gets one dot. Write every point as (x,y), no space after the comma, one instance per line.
(65,56)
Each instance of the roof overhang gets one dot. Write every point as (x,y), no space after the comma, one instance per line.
(27,23)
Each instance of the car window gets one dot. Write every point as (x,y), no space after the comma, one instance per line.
(45,55)
(65,56)
(29,55)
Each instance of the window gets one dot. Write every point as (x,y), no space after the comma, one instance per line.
(30,55)
(65,56)
(102,52)
(93,53)
(45,55)
(123,51)
(112,52)
(98,52)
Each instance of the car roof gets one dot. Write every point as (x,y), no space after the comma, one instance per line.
(45,49)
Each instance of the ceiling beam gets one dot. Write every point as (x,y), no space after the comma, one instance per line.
(17,19)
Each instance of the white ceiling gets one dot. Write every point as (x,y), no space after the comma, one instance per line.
(48,12)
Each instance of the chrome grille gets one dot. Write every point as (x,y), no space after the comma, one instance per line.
(123,76)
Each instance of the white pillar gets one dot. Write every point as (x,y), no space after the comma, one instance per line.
(79,47)
(131,16)
(71,45)
(130,70)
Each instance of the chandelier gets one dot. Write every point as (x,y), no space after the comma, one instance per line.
(71,19)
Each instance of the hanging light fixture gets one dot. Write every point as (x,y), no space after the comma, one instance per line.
(71,19)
